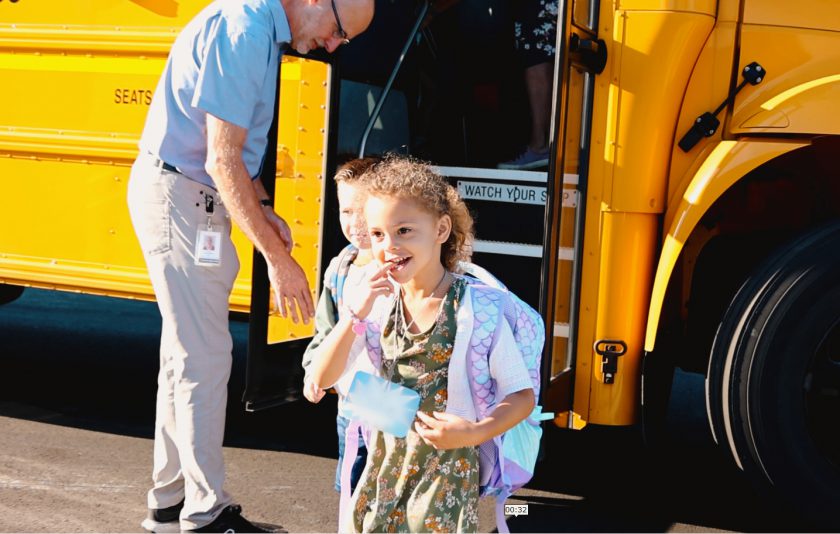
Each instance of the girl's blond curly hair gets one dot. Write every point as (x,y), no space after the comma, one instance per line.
(408,178)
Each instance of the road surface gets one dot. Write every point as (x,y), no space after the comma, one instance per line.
(77,387)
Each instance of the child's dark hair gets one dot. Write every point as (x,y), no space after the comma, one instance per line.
(408,178)
(351,171)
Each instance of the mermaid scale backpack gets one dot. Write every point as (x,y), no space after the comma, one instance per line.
(506,463)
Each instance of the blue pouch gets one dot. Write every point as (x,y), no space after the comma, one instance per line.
(381,404)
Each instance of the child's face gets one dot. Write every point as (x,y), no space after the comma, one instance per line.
(403,232)
(351,217)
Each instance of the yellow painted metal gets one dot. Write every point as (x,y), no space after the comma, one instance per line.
(815,14)
(706,7)
(80,80)
(725,163)
(801,94)
(301,170)
(639,92)
(728,11)
(569,420)
(119,15)
(707,88)
(649,88)
(628,242)
(603,113)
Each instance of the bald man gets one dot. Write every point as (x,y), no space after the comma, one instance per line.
(200,157)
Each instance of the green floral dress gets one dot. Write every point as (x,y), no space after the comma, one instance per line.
(407,485)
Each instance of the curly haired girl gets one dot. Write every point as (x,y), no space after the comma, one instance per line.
(420,229)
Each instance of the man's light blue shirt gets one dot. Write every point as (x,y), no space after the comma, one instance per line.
(223,63)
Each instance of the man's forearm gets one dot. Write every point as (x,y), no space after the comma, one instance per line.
(240,196)
(243,204)
(262,194)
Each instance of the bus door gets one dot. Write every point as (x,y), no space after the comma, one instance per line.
(580,56)
(295,176)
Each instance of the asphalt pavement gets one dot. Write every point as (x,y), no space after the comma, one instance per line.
(77,388)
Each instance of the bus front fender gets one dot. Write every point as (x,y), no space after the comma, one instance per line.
(724,166)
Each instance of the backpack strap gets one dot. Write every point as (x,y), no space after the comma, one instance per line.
(501,498)
(345,259)
(529,333)
(351,450)
(487,307)
(477,271)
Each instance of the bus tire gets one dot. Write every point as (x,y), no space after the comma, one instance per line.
(774,376)
(9,293)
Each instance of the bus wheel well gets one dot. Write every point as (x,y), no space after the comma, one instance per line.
(764,210)
(9,293)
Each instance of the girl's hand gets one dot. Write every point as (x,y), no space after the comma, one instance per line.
(446,431)
(378,284)
(313,393)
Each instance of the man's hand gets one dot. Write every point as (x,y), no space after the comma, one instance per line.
(281,226)
(446,431)
(290,287)
(313,393)
(269,234)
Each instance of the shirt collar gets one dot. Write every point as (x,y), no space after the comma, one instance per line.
(282,31)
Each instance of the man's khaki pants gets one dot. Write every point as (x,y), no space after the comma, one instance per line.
(167,210)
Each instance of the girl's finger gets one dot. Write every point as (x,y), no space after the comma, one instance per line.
(421,431)
(382,272)
(427,420)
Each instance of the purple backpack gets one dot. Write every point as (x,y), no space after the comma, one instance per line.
(507,461)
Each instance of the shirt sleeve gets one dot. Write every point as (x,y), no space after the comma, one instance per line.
(507,366)
(325,314)
(232,73)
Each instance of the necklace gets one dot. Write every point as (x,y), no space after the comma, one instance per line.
(432,294)
(400,324)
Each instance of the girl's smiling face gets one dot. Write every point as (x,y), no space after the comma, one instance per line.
(403,233)
(351,216)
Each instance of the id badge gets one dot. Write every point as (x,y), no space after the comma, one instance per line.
(208,248)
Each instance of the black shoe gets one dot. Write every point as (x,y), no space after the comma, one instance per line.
(163,520)
(231,520)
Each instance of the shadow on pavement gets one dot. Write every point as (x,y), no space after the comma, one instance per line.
(91,362)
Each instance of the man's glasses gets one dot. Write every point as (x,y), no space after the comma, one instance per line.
(340,33)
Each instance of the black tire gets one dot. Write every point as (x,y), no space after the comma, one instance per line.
(774,376)
(9,293)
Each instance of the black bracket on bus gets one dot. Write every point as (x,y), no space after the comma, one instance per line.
(610,350)
(707,124)
(593,53)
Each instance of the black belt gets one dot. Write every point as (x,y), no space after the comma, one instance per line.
(160,164)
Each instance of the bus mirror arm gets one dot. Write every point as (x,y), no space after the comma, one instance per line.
(707,124)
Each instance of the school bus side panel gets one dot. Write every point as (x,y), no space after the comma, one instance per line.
(78,81)
(82,77)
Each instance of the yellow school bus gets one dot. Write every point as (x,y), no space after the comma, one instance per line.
(689,215)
